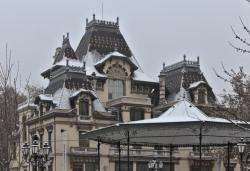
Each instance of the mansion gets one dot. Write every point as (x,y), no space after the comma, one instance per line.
(100,84)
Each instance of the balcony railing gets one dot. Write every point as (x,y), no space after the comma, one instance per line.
(140,152)
(129,100)
(83,151)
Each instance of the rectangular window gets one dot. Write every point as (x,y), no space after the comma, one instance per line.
(142,166)
(123,166)
(24,128)
(115,89)
(83,107)
(77,168)
(136,114)
(14,150)
(90,167)
(83,142)
(201,96)
(41,110)
(41,140)
(49,139)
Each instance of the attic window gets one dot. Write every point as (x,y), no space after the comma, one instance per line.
(202,96)
(83,107)
(41,109)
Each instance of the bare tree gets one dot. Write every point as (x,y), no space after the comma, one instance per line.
(237,99)
(9,99)
(244,40)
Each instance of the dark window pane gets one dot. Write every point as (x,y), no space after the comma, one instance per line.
(124,166)
(83,107)
(83,142)
(136,114)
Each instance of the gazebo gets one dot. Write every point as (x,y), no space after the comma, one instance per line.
(182,125)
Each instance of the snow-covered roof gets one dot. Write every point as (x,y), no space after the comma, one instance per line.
(83,90)
(26,104)
(71,62)
(115,53)
(61,98)
(91,58)
(183,111)
(91,69)
(46,97)
(141,76)
(196,84)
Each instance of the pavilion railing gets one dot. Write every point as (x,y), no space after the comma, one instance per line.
(205,154)
(140,152)
(83,150)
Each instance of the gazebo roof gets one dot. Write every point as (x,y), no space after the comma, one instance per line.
(181,125)
(183,111)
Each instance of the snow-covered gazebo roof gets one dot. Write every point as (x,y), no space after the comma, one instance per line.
(181,125)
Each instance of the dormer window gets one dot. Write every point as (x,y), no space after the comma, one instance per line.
(47,107)
(201,96)
(83,107)
(41,109)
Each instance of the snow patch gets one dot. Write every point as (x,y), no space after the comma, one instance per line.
(195,84)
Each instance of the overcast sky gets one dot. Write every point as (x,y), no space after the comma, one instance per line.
(157,31)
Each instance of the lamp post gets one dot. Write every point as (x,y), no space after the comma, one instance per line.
(37,157)
(154,164)
(241,147)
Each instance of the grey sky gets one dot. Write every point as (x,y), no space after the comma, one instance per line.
(157,31)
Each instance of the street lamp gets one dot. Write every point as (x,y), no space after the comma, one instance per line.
(241,147)
(38,157)
(153,164)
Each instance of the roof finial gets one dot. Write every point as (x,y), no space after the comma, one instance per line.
(67,34)
(163,65)
(117,20)
(198,59)
(184,57)
(87,21)
(84,64)
(94,16)
(67,62)
(63,37)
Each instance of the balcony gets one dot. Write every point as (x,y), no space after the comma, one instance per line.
(140,152)
(129,100)
(83,151)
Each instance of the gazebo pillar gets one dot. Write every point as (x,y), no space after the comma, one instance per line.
(128,144)
(200,145)
(98,154)
(170,156)
(228,156)
(119,156)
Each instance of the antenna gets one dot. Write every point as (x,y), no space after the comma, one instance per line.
(102,10)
